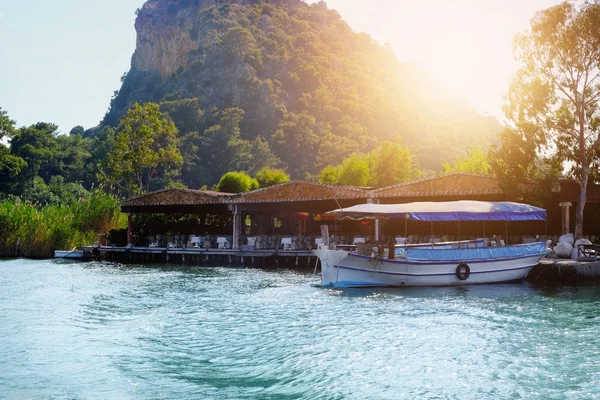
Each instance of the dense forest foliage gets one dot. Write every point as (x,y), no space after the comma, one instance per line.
(48,194)
(287,84)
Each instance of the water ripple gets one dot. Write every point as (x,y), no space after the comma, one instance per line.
(100,330)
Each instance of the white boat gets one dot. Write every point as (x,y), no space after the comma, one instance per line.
(75,254)
(448,264)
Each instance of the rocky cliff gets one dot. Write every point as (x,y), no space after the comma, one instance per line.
(163,31)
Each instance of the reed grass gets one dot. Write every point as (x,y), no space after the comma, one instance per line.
(27,230)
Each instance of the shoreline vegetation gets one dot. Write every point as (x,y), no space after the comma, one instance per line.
(27,230)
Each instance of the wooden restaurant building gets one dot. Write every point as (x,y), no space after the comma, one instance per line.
(284,220)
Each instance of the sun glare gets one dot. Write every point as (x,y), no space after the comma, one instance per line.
(464,45)
(463,50)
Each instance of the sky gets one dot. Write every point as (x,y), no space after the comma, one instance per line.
(61,60)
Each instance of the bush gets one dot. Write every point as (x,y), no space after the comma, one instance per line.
(237,182)
(268,176)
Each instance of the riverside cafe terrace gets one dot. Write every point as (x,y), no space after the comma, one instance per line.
(284,220)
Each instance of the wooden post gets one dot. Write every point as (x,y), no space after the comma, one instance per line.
(129,224)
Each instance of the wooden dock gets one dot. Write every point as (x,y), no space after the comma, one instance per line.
(195,256)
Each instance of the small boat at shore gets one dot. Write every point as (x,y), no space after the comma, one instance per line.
(75,254)
(442,264)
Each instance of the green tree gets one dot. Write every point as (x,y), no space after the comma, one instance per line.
(268,176)
(72,158)
(553,99)
(477,162)
(330,175)
(386,165)
(103,142)
(222,145)
(297,136)
(261,155)
(186,113)
(240,44)
(10,164)
(190,121)
(7,125)
(10,167)
(334,147)
(58,192)
(390,163)
(355,171)
(38,147)
(145,150)
(523,174)
(77,130)
(237,182)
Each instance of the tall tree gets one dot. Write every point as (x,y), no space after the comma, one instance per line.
(330,175)
(10,165)
(298,135)
(145,150)
(72,157)
(189,119)
(477,162)
(390,164)
(222,148)
(523,174)
(355,171)
(386,165)
(7,125)
(36,145)
(553,99)
(103,143)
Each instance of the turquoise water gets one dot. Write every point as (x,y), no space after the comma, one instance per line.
(106,331)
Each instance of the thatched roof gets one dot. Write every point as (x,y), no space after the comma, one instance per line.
(171,197)
(452,184)
(461,185)
(301,191)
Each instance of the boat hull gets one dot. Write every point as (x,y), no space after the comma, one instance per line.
(343,269)
(69,255)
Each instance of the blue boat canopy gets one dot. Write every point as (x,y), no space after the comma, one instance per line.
(464,210)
